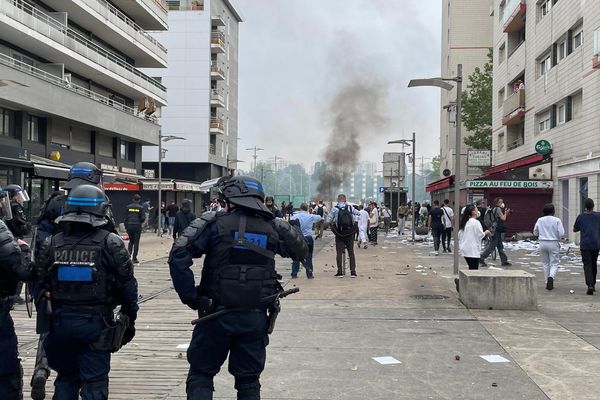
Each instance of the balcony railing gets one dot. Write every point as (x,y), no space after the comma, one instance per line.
(513,15)
(212,149)
(44,24)
(217,39)
(115,16)
(217,123)
(217,69)
(217,96)
(514,108)
(514,144)
(64,84)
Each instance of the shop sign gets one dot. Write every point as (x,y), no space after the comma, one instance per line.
(126,170)
(149,173)
(107,167)
(543,147)
(479,158)
(153,185)
(187,186)
(125,187)
(509,184)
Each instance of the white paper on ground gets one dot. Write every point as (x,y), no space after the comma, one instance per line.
(183,346)
(495,358)
(387,360)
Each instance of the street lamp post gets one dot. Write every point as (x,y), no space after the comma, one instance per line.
(442,83)
(162,138)
(412,143)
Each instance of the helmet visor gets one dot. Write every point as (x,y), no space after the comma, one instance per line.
(21,197)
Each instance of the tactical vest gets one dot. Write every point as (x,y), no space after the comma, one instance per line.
(8,282)
(78,274)
(240,275)
(132,218)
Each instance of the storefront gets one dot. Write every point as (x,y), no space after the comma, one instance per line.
(444,189)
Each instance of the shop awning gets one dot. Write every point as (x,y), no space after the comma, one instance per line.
(50,169)
(207,185)
(122,187)
(153,185)
(188,186)
(441,184)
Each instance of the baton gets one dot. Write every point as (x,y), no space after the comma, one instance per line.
(267,299)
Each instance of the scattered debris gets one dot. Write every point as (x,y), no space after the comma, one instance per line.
(457,357)
(386,360)
(494,358)
(354,368)
(494,384)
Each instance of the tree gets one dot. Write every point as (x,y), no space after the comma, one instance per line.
(477,107)
(435,166)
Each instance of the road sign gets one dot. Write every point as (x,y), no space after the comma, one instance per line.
(381,189)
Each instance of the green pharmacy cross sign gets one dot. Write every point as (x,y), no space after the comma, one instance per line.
(543,147)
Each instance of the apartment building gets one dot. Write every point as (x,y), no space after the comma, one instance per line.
(466,40)
(546,116)
(71,88)
(202,79)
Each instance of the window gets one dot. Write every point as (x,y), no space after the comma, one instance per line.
(7,122)
(545,65)
(545,7)
(127,151)
(562,113)
(577,39)
(562,50)
(500,98)
(501,141)
(502,53)
(597,42)
(35,129)
(544,125)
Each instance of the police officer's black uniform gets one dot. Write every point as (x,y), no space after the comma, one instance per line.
(88,272)
(18,224)
(12,270)
(239,270)
(134,218)
(81,173)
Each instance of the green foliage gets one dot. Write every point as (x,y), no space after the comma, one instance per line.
(477,107)
(435,167)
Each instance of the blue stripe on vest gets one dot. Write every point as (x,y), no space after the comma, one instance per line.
(256,238)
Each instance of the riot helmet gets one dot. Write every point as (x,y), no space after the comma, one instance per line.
(86,204)
(17,193)
(244,191)
(83,173)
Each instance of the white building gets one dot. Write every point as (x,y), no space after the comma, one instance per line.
(202,79)
(547,87)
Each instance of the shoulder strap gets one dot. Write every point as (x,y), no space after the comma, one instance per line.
(242,241)
(446,212)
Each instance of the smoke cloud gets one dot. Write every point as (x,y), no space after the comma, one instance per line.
(356,117)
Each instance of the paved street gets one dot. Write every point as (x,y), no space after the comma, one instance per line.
(327,334)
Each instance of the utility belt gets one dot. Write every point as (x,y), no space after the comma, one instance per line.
(111,338)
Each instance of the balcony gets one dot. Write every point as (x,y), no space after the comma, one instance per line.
(217,20)
(217,42)
(515,143)
(49,37)
(151,15)
(122,33)
(217,99)
(514,108)
(217,125)
(216,71)
(41,90)
(596,58)
(513,15)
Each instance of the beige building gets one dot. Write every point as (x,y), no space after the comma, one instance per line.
(466,39)
(547,87)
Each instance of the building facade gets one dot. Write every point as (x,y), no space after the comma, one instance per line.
(546,111)
(467,40)
(71,88)
(202,79)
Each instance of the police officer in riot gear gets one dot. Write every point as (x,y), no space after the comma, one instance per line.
(13,269)
(81,173)
(134,219)
(239,270)
(87,272)
(18,224)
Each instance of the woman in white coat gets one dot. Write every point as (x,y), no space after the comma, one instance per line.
(470,235)
(363,225)
(549,231)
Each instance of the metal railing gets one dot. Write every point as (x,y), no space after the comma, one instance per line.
(217,123)
(217,38)
(513,145)
(55,30)
(159,6)
(114,15)
(216,68)
(64,84)
(509,8)
(514,102)
(217,95)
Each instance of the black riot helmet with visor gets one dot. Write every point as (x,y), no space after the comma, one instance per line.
(244,191)
(17,193)
(86,204)
(84,173)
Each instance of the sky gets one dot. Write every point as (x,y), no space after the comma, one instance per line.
(297,56)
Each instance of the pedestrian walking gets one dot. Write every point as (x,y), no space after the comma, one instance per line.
(134,218)
(386,214)
(238,273)
(306,221)
(423,214)
(183,219)
(89,273)
(470,235)
(147,207)
(363,226)
(321,211)
(416,215)
(588,223)
(373,223)
(270,204)
(436,225)
(448,220)
(172,209)
(342,226)
(403,211)
(495,220)
(549,231)
(283,210)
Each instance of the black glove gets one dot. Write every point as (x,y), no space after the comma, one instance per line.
(129,334)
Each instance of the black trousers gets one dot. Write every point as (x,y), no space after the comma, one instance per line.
(135,233)
(590,266)
(342,244)
(446,236)
(436,232)
(472,262)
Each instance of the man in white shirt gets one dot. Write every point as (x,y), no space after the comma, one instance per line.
(363,225)
(386,214)
(448,219)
